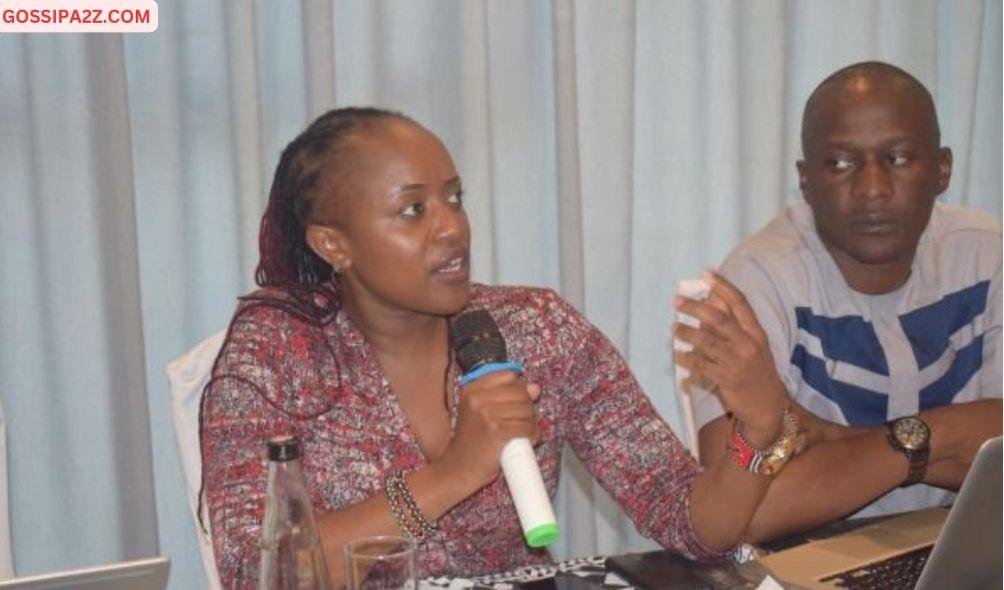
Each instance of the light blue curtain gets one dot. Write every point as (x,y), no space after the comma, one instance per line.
(608,149)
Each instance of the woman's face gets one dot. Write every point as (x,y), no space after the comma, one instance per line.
(403,234)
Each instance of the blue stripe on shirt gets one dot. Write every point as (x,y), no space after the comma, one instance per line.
(849,339)
(860,406)
(965,364)
(928,328)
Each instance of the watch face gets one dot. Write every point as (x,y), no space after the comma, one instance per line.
(911,433)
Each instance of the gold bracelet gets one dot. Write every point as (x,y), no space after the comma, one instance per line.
(770,460)
(783,449)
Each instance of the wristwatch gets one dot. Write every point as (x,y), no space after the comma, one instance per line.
(911,436)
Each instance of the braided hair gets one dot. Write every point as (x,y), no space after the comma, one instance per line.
(286,260)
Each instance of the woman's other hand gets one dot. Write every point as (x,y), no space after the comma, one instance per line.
(731,352)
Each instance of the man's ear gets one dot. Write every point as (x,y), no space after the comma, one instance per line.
(330,244)
(944,169)
(802,181)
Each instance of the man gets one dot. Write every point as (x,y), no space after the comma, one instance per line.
(876,308)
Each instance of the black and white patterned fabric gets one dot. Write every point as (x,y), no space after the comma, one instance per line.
(586,567)
(742,572)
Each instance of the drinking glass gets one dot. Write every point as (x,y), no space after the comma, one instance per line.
(381,563)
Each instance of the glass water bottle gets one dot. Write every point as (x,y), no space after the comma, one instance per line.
(291,556)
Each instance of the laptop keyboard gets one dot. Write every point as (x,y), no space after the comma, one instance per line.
(898,572)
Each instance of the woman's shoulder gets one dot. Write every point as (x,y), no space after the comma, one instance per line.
(489,295)
(277,343)
(531,312)
(505,300)
(275,322)
(316,305)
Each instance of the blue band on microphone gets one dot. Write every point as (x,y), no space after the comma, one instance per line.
(490,368)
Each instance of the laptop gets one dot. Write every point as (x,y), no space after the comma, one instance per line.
(906,551)
(142,574)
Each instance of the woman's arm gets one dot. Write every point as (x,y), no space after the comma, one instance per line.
(612,426)
(731,352)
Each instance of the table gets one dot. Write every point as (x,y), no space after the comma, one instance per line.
(593,568)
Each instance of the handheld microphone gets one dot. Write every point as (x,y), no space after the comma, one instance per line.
(481,350)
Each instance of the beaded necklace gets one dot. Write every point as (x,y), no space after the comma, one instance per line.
(452,395)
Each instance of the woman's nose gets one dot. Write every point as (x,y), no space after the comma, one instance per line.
(450,221)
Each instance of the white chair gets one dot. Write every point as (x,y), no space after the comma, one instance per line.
(188,375)
(6,558)
(686,402)
(687,408)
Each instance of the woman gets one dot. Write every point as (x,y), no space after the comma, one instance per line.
(364,258)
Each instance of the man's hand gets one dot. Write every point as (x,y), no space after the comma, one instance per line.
(815,430)
(957,431)
(946,474)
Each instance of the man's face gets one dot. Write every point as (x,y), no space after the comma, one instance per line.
(871,174)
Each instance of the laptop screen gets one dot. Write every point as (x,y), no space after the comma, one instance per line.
(968,551)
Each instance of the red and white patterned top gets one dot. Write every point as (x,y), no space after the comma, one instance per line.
(292,363)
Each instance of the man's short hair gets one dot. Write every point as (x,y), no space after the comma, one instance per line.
(872,69)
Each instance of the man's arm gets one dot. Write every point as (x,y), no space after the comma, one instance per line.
(851,467)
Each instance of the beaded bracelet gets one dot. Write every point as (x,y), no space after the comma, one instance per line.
(405,510)
(427,527)
(396,509)
(770,460)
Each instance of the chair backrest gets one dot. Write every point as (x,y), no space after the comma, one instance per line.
(6,558)
(686,403)
(687,408)
(188,375)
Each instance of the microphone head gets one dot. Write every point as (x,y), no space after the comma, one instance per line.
(477,341)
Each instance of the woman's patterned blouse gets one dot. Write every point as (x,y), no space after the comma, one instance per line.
(292,363)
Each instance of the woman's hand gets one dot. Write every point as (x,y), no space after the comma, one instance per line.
(731,352)
(494,409)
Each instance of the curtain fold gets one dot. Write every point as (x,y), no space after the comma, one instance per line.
(72,365)
(608,150)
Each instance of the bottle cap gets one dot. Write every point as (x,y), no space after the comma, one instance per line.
(542,535)
(284,447)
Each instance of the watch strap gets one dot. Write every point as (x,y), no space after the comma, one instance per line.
(918,467)
(917,457)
